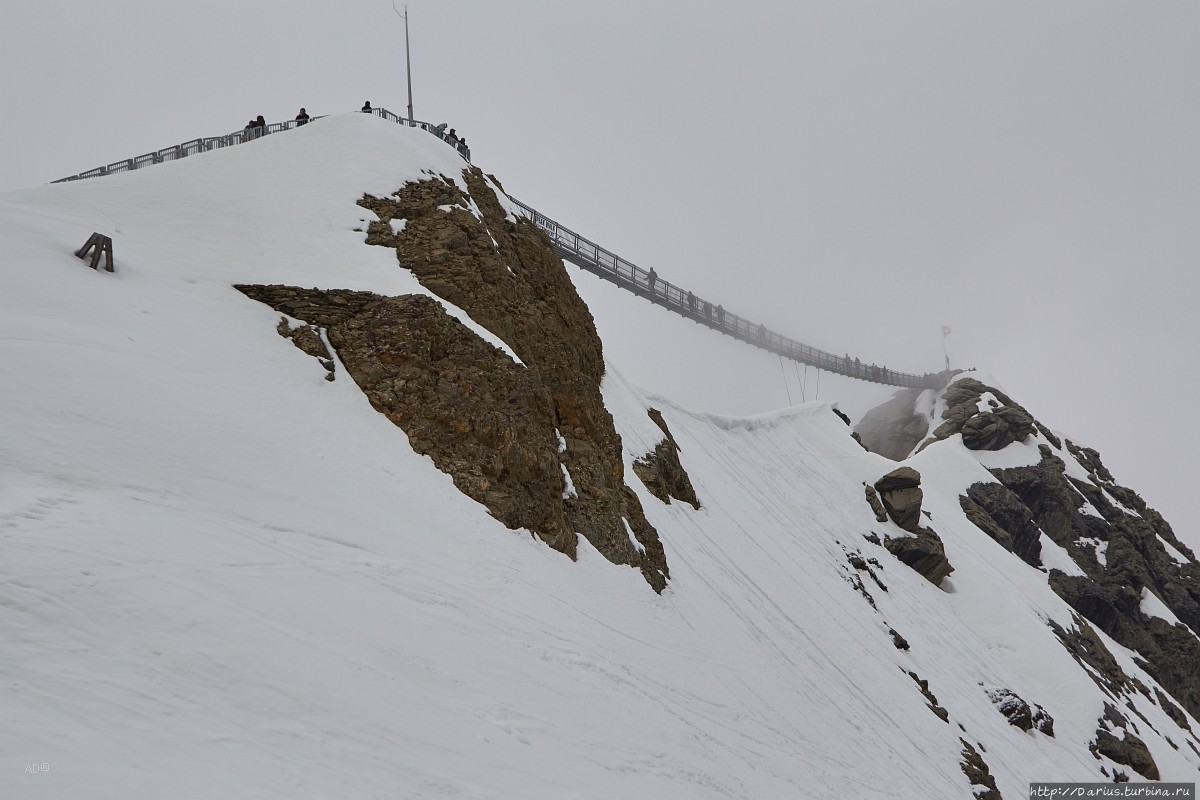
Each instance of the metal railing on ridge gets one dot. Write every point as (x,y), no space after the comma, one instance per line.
(247,134)
(587,255)
(608,265)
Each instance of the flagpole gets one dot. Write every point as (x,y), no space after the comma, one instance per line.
(945,333)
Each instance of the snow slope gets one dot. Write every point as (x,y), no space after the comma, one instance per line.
(223,576)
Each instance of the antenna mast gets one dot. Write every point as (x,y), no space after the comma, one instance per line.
(407,58)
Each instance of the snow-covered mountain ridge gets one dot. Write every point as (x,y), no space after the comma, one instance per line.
(225,575)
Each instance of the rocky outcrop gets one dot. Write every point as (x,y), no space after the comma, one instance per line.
(931,700)
(1085,517)
(532,441)
(661,470)
(1003,423)
(999,513)
(1111,593)
(1019,713)
(983,785)
(900,495)
(1089,652)
(1127,749)
(893,429)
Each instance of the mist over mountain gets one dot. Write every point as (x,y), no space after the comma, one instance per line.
(329,490)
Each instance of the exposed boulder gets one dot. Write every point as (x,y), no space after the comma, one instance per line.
(1019,713)
(924,552)
(661,470)
(986,431)
(900,494)
(900,491)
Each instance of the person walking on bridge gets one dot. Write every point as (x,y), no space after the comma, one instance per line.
(366,109)
(302,118)
(651,278)
(721,315)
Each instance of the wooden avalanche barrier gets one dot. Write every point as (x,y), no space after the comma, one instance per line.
(98,245)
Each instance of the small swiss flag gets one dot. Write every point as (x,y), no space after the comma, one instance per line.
(945,330)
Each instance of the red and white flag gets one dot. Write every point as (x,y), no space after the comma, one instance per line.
(945,331)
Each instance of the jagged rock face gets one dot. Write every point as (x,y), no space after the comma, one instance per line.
(1077,514)
(492,424)
(983,785)
(893,429)
(1129,750)
(661,470)
(1000,514)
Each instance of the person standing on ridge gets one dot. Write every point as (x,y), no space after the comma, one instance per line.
(366,109)
(302,118)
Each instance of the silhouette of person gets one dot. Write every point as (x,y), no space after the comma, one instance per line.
(651,278)
(691,301)
(302,118)
(366,109)
(721,315)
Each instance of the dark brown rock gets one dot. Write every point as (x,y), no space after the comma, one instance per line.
(924,552)
(900,492)
(490,423)
(931,700)
(661,470)
(1130,751)
(1001,514)
(875,504)
(983,785)
(986,431)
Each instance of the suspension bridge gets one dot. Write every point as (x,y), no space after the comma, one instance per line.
(587,255)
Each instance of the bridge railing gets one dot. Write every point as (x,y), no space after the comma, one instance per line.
(608,265)
(204,145)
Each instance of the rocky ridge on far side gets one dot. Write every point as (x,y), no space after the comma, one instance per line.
(1129,557)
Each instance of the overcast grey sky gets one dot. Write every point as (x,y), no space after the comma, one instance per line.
(855,174)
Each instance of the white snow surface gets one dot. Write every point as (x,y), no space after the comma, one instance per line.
(223,576)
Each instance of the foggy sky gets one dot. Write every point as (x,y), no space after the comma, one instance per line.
(854,174)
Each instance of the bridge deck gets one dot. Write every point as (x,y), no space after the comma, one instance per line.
(593,258)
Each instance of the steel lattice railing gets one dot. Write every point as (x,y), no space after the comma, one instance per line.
(608,265)
(204,145)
